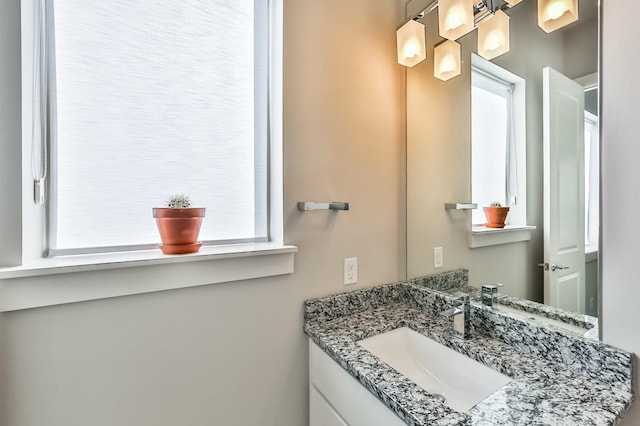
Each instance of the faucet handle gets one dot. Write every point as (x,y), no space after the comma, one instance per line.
(489,294)
(461,314)
(460,296)
(499,295)
(496,285)
(456,298)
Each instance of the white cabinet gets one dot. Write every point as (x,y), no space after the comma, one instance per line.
(321,413)
(337,399)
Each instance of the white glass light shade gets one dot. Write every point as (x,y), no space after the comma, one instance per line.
(412,47)
(455,18)
(493,35)
(513,2)
(555,14)
(446,60)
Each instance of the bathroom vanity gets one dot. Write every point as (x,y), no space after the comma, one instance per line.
(550,376)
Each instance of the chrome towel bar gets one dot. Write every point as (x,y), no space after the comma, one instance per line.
(460,206)
(310,205)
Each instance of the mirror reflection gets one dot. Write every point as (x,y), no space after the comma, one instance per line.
(520,130)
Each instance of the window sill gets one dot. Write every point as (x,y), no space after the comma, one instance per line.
(591,253)
(68,279)
(484,237)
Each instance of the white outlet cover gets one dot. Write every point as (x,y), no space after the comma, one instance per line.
(437,257)
(351,271)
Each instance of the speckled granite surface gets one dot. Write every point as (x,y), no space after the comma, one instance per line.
(458,280)
(445,281)
(558,378)
(574,318)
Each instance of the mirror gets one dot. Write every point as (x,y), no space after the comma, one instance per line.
(439,157)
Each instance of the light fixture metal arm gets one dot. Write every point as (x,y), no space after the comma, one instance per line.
(430,8)
(482,10)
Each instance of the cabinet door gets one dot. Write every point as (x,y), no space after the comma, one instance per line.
(321,413)
(351,402)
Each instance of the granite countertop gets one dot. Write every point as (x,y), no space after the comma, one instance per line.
(458,280)
(558,378)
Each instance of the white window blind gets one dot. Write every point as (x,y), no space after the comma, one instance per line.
(592,180)
(490,102)
(498,141)
(153,98)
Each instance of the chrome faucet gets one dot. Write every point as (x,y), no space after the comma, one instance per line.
(489,294)
(460,314)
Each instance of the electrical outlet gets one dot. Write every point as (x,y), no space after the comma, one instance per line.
(350,271)
(437,257)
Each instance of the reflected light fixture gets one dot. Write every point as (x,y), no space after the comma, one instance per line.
(411,43)
(455,18)
(458,17)
(446,60)
(493,35)
(555,14)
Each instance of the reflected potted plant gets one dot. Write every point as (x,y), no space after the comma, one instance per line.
(496,215)
(179,225)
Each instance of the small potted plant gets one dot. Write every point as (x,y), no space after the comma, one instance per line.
(179,225)
(496,215)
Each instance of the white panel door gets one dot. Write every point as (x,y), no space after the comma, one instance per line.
(564,228)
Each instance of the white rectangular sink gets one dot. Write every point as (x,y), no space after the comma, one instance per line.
(459,380)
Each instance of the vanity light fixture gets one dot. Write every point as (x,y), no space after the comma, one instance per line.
(493,35)
(455,18)
(458,17)
(555,14)
(446,60)
(411,41)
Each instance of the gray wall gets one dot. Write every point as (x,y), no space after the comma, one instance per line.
(591,287)
(582,58)
(620,177)
(234,354)
(438,159)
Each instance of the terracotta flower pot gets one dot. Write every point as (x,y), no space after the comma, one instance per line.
(179,228)
(495,216)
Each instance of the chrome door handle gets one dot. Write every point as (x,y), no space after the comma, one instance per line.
(552,267)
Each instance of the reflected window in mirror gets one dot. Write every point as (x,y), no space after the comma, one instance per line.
(498,138)
(592,179)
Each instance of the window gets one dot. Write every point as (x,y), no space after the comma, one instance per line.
(498,141)
(592,180)
(32,280)
(149,99)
